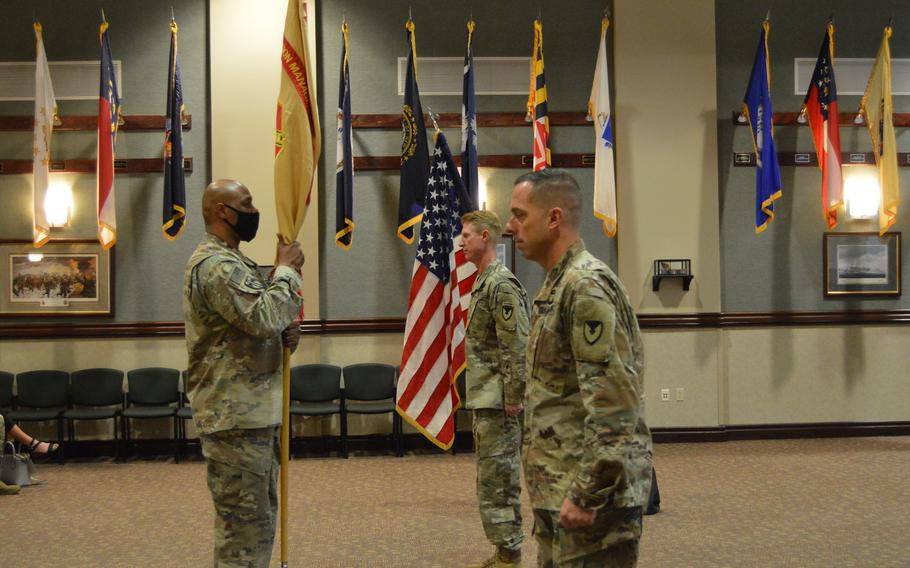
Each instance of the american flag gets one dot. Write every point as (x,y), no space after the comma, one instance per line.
(434,349)
(537,103)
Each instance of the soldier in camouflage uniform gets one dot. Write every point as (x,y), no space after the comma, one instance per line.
(496,341)
(236,322)
(587,450)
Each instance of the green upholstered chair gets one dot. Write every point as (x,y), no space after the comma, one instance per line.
(6,392)
(152,394)
(369,388)
(96,394)
(184,413)
(42,396)
(316,391)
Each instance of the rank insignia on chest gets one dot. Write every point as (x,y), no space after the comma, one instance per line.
(507,312)
(593,331)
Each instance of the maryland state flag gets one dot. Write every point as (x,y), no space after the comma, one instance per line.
(174,183)
(877,108)
(757,109)
(344,154)
(414,155)
(820,107)
(537,103)
(297,135)
(108,123)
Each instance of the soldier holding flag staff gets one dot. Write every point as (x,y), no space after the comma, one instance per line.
(236,323)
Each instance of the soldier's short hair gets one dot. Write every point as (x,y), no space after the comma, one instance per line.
(484,220)
(553,187)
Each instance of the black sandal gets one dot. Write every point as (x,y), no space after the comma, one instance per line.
(51,447)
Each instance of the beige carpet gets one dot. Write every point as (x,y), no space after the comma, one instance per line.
(797,503)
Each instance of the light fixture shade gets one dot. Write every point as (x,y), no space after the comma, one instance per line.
(862,191)
(58,204)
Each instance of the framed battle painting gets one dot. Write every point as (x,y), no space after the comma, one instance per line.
(862,264)
(63,278)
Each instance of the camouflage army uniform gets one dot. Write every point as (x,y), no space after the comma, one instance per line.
(585,437)
(496,340)
(234,319)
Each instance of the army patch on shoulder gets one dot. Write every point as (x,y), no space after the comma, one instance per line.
(593,331)
(507,310)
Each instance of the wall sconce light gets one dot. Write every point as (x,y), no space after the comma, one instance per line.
(862,191)
(481,189)
(58,204)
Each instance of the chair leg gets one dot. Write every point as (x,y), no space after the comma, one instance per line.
(116,438)
(176,440)
(60,439)
(455,433)
(344,434)
(399,450)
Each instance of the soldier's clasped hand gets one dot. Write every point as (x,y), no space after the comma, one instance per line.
(289,254)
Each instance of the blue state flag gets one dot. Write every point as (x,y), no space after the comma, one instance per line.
(174,182)
(469,123)
(344,155)
(757,110)
(415,159)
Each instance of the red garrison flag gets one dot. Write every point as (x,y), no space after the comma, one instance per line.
(108,123)
(820,107)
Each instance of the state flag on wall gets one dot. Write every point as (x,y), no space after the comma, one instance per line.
(878,110)
(174,183)
(757,109)
(414,155)
(537,103)
(108,123)
(344,154)
(45,119)
(469,173)
(599,112)
(820,106)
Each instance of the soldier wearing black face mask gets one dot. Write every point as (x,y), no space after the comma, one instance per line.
(236,322)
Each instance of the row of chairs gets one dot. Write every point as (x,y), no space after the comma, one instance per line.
(92,394)
(97,394)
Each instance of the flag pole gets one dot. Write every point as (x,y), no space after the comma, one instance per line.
(285,441)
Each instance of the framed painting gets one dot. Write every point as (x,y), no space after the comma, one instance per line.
(63,278)
(862,264)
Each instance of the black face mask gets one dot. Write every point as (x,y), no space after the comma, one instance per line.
(247,224)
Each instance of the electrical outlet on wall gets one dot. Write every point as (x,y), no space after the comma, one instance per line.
(665,395)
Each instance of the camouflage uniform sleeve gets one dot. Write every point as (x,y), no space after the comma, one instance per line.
(242,300)
(510,316)
(608,392)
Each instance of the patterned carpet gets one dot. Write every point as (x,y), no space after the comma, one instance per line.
(795,503)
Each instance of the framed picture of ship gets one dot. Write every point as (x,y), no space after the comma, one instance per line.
(862,264)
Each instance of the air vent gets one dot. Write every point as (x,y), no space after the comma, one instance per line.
(73,80)
(492,75)
(851,75)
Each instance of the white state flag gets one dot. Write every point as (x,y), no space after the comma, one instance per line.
(45,116)
(599,112)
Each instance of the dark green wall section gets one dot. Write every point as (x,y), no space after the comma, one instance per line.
(149,269)
(372,279)
(781,269)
